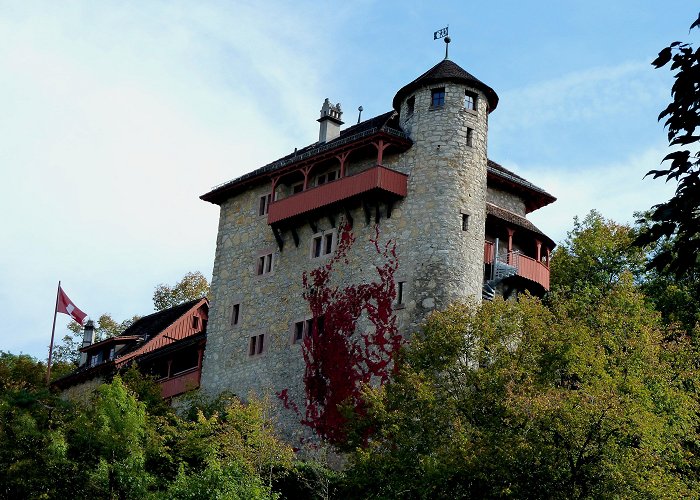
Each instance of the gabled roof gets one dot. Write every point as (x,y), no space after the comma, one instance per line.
(387,122)
(518,220)
(535,197)
(146,336)
(446,71)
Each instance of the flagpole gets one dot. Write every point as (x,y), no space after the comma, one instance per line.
(53,330)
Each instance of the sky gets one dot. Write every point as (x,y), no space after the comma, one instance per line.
(115,116)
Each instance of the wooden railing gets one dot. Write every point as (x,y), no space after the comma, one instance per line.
(527,266)
(179,383)
(376,178)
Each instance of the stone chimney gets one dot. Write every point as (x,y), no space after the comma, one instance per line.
(330,121)
(88,339)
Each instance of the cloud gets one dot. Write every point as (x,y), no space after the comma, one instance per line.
(615,189)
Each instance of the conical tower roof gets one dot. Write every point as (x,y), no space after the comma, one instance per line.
(446,71)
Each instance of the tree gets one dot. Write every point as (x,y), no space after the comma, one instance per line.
(192,286)
(677,298)
(68,350)
(596,254)
(514,399)
(678,220)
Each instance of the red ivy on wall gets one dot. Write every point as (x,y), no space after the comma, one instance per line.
(340,360)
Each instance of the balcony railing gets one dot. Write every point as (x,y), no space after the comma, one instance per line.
(179,383)
(377,178)
(526,267)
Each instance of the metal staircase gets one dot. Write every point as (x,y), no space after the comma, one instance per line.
(502,267)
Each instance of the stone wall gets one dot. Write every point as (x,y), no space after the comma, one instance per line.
(438,261)
(509,201)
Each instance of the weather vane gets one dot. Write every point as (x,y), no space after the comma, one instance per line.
(443,33)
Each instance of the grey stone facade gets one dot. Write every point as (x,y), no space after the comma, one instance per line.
(440,260)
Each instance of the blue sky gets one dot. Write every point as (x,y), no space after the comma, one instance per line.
(116,116)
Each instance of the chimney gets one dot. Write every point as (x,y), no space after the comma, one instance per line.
(330,121)
(88,339)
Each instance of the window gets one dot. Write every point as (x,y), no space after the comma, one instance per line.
(400,293)
(264,204)
(264,264)
(323,244)
(195,322)
(327,177)
(410,105)
(235,314)
(297,188)
(465,222)
(470,137)
(304,328)
(256,344)
(470,100)
(437,97)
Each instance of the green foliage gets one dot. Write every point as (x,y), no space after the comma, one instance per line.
(117,446)
(678,220)
(596,254)
(514,399)
(191,286)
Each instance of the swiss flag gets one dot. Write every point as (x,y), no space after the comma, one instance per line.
(66,306)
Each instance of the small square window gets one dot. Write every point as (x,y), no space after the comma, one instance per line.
(256,345)
(327,177)
(470,137)
(305,328)
(470,100)
(195,322)
(323,244)
(297,188)
(264,265)
(437,97)
(264,204)
(235,314)
(465,222)
(410,105)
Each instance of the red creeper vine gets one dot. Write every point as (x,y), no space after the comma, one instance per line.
(340,360)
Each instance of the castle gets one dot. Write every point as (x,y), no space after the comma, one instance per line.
(421,175)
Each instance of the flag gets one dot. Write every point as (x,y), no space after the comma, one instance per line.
(66,306)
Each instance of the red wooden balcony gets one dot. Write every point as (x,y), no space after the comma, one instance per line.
(527,267)
(375,179)
(180,383)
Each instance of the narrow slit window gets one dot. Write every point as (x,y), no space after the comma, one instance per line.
(400,292)
(252,346)
(235,314)
(465,222)
(470,137)
(410,105)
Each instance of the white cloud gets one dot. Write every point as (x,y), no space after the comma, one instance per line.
(616,190)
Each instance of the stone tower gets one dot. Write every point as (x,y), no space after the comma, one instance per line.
(445,112)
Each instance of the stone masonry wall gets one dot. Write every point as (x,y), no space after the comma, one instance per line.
(438,262)
(509,201)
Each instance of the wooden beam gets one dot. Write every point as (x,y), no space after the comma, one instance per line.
(389,208)
(313,226)
(278,238)
(368,212)
(295,236)
(331,218)
(348,217)
(377,212)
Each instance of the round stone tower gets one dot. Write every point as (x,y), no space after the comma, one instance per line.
(445,112)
